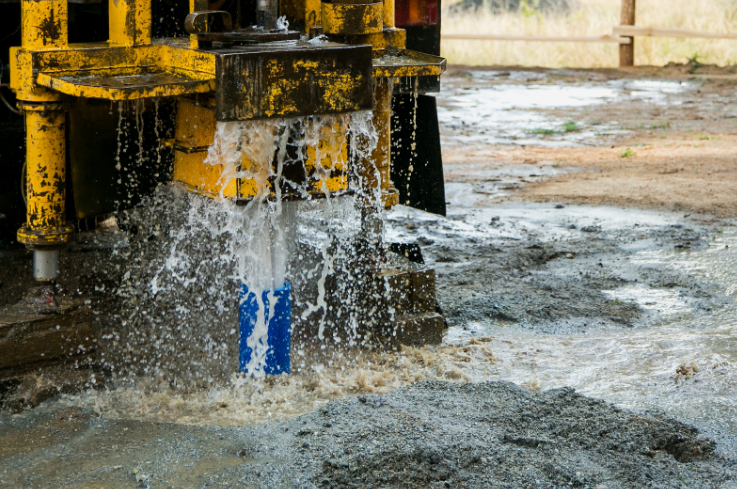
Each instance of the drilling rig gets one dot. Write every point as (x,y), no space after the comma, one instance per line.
(84,68)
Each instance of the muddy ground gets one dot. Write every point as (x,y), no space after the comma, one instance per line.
(527,250)
(430,434)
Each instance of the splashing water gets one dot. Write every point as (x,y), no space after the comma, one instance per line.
(282,24)
(177,313)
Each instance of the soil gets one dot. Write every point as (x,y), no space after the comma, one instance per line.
(526,247)
(430,434)
(681,153)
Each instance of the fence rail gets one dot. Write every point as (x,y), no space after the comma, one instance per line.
(623,34)
(492,37)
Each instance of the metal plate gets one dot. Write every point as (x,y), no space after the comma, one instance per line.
(288,79)
(408,63)
(125,87)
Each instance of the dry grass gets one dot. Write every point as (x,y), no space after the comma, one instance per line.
(595,18)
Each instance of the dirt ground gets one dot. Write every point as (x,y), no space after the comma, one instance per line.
(681,158)
(627,302)
(429,435)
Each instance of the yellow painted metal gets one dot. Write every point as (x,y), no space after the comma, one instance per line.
(203,178)
(312,13)
(30,71)
(352,19)
(282,91)
(389,19)
(90,87)
(196,6)
(195,132)
(407,63)
(195,124)
(389,39)
(44,24)
(45,176)
(381,156)
(130,22)
(375,171)
(329,145)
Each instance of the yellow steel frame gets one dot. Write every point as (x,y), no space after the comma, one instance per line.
(195,132)
(45,71)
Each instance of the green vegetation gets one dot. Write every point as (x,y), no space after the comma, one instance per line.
(571,127)
(567,127)
(693,60)
(627,153)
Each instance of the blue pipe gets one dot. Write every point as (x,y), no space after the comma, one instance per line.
(279,316)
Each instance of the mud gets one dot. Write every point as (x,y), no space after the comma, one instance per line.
(631,301)
(430,434)
(556,284)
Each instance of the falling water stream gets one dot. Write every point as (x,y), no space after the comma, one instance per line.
(632,367)
(212,245)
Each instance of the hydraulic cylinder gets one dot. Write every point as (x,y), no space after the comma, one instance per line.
(45,229)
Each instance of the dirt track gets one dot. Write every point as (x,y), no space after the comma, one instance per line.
(682,152)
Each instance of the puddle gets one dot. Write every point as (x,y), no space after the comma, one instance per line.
(635,368)
(474,112)
(664,302)
(470,217)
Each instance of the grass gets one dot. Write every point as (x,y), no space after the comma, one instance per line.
(571,127)
(627,153)
(567,127)
(595,18)
(544,132)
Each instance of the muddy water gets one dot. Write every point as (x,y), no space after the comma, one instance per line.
(634,366)
(638,368)
(525,108)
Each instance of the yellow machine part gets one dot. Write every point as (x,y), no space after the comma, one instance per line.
(45,177)
(332,151)
(46,168)
(195,133)
(353,19)
(44,24)
(130,22)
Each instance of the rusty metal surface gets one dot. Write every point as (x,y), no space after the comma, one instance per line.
(408,63)
(352,19)
(130,22)
(292,79)
(125,87)
(216,26)
(208,21)
(246,36)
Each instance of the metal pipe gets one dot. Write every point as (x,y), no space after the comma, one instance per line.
(45,263)
(44,24)
(130,22)
(45,168)
(196,6)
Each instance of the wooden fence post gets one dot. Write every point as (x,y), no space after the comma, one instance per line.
(627,51)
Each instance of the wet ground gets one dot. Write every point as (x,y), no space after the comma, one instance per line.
(630,302)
